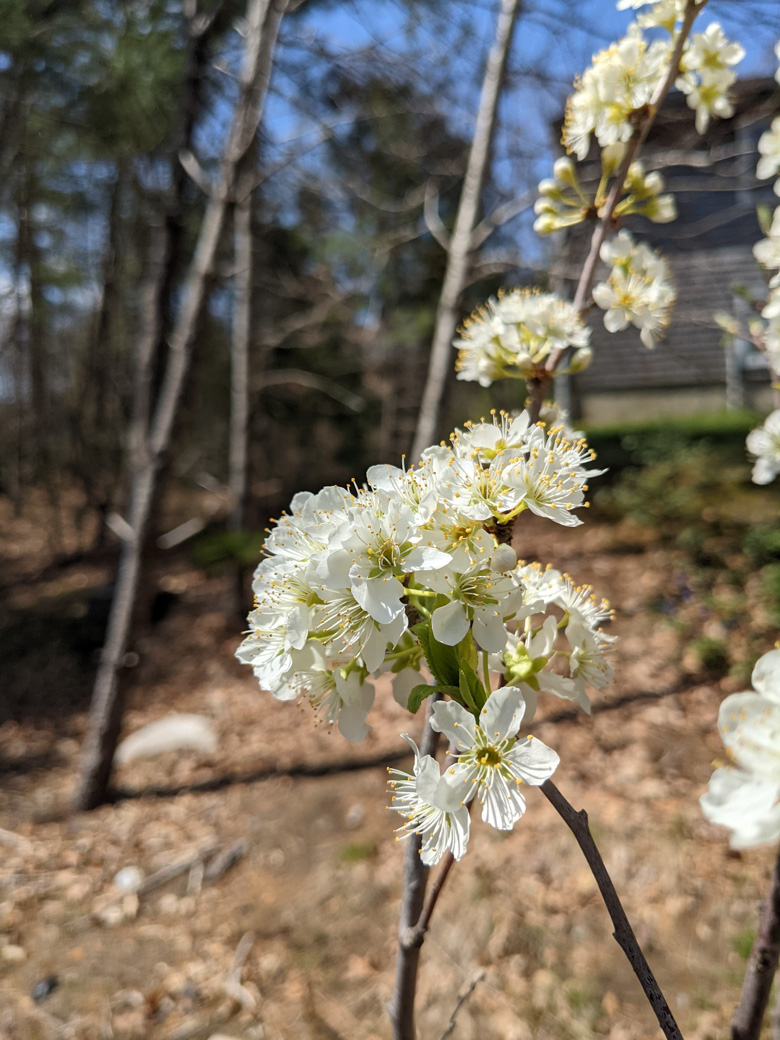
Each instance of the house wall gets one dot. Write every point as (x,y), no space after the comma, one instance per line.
(612,406)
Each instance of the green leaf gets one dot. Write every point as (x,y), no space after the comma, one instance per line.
(442,660)
(476,690)
(465,694)
(418,695)
(467,651)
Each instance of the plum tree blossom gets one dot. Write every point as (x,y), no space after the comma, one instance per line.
(638,290)
(769,149)
(745,796)
(707,74)
(489,760)
(412,571)
(621,80)
(515,333)
(434,807)
(764,443)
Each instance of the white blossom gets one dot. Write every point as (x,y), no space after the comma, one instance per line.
(745,797)
(434,807)
(638,291)
(621,80)
(515,333)
(764,443)
(769,149)
(767,250)
(707,75)
(489,757)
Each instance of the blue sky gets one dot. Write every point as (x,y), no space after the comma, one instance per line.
(556,36)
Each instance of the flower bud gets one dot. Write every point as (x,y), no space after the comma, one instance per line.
(565,171)
(661,210)
(504,559)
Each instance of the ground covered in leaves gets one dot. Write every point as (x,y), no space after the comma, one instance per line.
(272,876)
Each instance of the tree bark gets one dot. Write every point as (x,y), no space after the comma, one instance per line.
(460,246)
(262,26)
(762,967)
(239,358)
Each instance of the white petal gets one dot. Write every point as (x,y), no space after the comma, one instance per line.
(747,806)
(502,803)
(450,623)
(403,684)
(379,597)
(426,558)
(503,712)
(457,724)
(766,675)
(533,761)
(750,727)
(489,631)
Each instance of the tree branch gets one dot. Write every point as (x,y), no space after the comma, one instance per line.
(401,1006)
(577,822)
(431,214)
(501,215)
(459,250)
(746,1024)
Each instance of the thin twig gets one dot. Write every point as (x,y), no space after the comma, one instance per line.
(464,996)
(577,822)
(746,1024)
(414,936)
(538,387)
(401,1006)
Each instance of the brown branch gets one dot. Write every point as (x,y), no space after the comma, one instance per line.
(577,822)
(415,936)
(746,1024)
(401,1006)
(538,387)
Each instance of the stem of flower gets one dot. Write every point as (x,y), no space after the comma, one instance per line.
(577,822)
(746,1024)
(486,672)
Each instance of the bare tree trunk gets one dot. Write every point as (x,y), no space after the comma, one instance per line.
(262,26)
(97,409)
(460,246)
(239,358)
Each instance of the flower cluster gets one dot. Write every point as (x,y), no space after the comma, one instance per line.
(514,334)
(562,201)
(623,79)
(764,443)
(414,571)
(664,13)
(707,74)
(745,796)
(562,610)
(638,290)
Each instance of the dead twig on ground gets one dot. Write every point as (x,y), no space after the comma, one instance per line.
(233,987)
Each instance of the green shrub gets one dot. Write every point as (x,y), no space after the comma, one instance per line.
(219,552)
(713,654)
